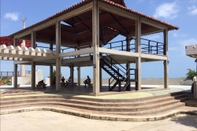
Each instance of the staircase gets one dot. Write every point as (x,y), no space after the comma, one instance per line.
(84,105)
(119,74)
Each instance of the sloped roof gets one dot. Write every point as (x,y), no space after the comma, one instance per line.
(77,31)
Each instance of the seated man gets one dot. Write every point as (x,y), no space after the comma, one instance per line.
(41,84)
(63,81)
(87,81)
(69,82)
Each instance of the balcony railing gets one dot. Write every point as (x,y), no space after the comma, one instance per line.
(147,46)
(11,73)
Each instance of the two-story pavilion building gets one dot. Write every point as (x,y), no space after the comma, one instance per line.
(83,34)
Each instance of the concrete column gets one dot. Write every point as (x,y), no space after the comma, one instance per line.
(195,90)
(128,88)
(15,68)
(15,42)
(51,74)
(78,71)
(58,51)
(51,46)
(72,73)
(22,67)
(166,80)
(33,39)
(101,78)
(15,75)
(79,75)
(138,50)
(33,75)
(95,41)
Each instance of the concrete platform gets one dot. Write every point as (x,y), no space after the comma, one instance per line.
(147,92)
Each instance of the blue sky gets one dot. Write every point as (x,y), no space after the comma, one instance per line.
(181,13)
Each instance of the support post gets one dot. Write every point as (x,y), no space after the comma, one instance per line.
(79,75)
(15,69)
(58,51)
(128,88)
(194,90)
(72,73)
(51,75)
(166,81)
(33,75)
(95,41)
(15,76)
(138,50)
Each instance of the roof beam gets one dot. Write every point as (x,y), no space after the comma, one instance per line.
(153,23)
(39,27)
(118,22)
(75,12)
(76,53)
(47,23)
(130,15)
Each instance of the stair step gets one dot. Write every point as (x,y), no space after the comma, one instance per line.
(142,106)
(93,107)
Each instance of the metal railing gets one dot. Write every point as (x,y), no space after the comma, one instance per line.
(11,73)
(147,46)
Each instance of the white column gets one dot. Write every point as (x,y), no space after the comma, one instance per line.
(138,50)
(22,67)
(58,51)
(166,81)
(95,41)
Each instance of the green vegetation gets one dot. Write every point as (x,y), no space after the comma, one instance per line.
(190,74)
(6,81)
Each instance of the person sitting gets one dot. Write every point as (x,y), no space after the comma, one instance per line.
(63,81)
(69,82)
(87,81)
(41,84)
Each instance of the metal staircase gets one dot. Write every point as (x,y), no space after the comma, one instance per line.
(120,76)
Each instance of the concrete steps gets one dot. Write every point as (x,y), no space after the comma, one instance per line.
(142,106)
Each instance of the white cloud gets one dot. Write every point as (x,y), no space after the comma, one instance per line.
(167,10)
(13,16)
(192,10)
(192,1)
(188,41)
(153,37)
(175,34)
(172,48)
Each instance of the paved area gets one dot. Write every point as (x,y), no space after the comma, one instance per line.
(106,95)
(51,121)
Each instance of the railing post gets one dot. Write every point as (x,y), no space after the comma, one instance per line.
(157,48)
(122,45)
(149,47)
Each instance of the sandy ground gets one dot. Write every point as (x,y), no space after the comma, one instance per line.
(51,121)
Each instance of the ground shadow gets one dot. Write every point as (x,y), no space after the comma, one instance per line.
(187,120)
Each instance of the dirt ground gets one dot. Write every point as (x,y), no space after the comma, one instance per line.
(51,121)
